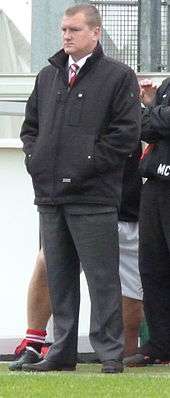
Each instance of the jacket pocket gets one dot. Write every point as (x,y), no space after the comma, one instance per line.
(75,160)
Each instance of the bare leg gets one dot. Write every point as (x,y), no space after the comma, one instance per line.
(38,301)
(38,313)
(132,317)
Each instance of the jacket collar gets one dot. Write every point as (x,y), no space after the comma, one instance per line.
(60,59)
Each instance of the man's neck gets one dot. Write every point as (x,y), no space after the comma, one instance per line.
(77,59)
(80,62)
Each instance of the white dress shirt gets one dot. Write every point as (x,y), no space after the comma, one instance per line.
(80,62)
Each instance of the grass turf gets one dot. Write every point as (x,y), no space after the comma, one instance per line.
(87,382)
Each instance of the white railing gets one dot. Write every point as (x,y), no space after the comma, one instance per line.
(15,90)
(16,86)
(19,87)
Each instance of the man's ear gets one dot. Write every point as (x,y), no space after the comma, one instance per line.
(97,32)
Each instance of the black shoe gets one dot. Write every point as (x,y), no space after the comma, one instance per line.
(146,355)
(29,356)
(138,360)
(46,366)
(112,367)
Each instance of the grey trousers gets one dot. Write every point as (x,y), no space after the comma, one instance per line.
(86,234)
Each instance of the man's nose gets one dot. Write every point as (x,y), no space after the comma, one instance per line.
(67,34)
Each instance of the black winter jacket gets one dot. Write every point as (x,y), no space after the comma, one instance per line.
(76,141)
(155,162)
(131,188)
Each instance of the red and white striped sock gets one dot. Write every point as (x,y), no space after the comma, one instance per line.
(34,338)
(36,335)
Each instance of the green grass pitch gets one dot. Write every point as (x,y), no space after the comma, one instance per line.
(87,382)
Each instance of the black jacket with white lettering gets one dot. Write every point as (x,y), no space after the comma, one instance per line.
(76,141)
(155,162)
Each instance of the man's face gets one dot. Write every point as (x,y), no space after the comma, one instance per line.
(79,39)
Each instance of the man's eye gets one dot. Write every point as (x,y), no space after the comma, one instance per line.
(75,30)
(71,30)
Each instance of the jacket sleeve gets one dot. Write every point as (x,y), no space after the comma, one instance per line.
(29,131)
(148,134)
(124,129)
(160,120)
(156,120)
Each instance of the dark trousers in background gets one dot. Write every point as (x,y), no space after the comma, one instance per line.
(86,234)
(154,263)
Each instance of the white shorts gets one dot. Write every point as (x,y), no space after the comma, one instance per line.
(128,268)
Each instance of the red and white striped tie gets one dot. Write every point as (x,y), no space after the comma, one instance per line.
(73,74)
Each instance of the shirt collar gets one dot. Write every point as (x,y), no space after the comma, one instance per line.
(80,62)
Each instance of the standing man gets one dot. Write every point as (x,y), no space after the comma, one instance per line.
(82,121)
(154,241)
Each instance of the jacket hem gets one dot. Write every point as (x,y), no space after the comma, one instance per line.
(77,200)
